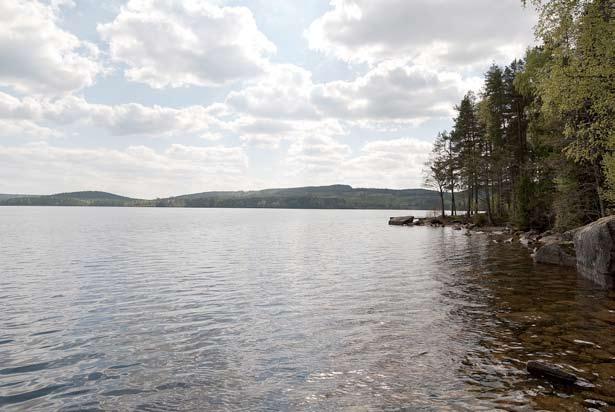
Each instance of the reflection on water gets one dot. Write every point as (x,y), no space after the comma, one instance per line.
(179,309)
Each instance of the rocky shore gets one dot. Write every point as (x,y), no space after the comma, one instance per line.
(591,248)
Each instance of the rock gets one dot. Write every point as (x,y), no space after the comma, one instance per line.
(401,220)
(569,235)
(595,403)
(436,222)
(550,372)
(528,238)
(552,238)
(457,227)
(556,254)
(595,247)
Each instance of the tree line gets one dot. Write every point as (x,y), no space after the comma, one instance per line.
(535,146)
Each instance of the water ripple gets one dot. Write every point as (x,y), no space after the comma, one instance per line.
(183,309)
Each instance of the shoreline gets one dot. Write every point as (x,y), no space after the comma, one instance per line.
(589,249)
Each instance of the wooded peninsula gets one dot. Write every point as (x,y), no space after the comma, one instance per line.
(535,146)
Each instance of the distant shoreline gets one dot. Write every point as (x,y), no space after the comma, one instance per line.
(435,212)
(340,197)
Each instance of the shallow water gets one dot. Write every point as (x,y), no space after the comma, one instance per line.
(205,309)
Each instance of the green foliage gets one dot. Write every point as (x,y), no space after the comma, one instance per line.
(567,205)
(577,84)
(538,147)
(437,169)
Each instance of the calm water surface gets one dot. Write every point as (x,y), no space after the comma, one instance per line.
(188,309)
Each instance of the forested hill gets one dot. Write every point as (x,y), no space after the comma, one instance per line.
(10,196)
(317,197)
(89,198)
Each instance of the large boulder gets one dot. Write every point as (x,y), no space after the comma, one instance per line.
(556,254)
(401,220)
(595,248)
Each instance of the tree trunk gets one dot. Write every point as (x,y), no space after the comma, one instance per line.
(453,205)
(500,194)
(476,190)
(452,177)
(442,202)
(488,200)
(469,213)
(597,180)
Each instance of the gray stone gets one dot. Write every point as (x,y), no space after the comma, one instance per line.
(595,247)
(556,254)
(401,220)
(529,238)
(569,235)
(551,372)
(554,238)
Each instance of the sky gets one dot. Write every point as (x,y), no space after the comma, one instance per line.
(154,98)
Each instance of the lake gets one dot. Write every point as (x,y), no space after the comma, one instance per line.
(243,309)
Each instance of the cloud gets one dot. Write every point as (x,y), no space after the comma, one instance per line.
(25,128)
(317,155)
(284,92)
(38,56)
(396,163)
(429,31)
(166,43)
(288,104)
(393,90)
(119,120)
(265,132)
(137,170)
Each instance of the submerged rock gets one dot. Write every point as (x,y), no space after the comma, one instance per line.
(595,247)
(550,372)
(401,220)
(556,254)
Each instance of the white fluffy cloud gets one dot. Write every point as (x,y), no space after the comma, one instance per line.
(391,93)
(393,90)
(265,132)
(169,43)
(417,59)
(396,163)
(451,32)
(120,120)
(40,57)
(284,92)
(25,128)
(137,170)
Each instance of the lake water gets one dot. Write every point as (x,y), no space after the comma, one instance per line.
(209,309)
